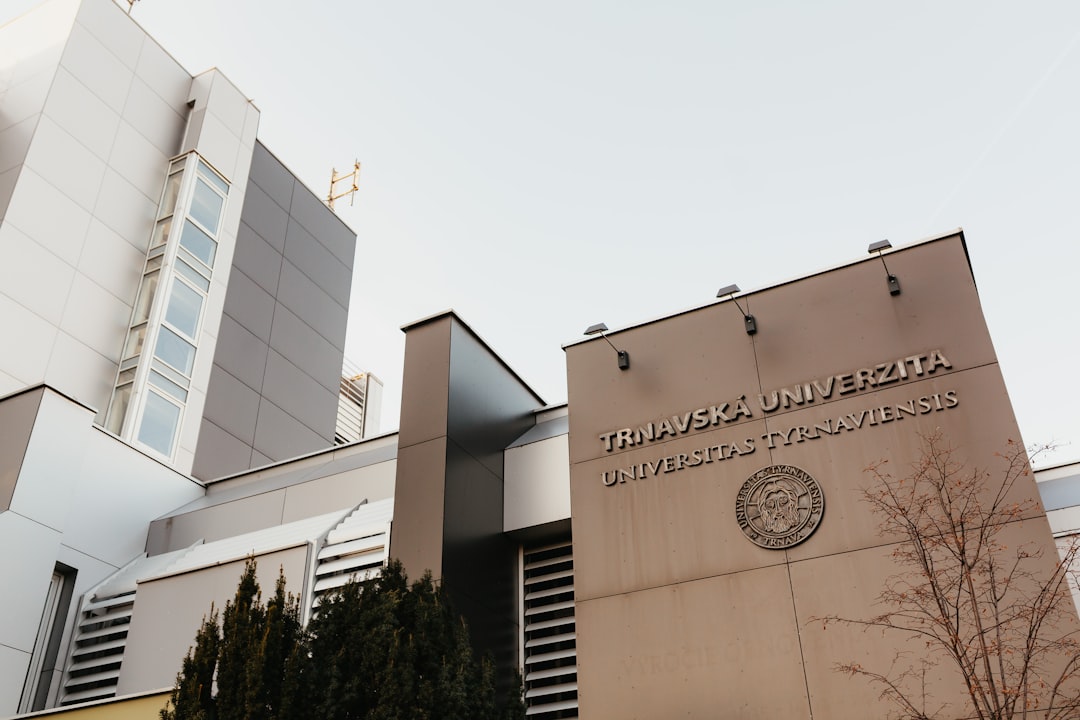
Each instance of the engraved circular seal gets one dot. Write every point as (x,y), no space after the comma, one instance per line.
(779,506)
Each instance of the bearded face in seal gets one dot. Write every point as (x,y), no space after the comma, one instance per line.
(779,508)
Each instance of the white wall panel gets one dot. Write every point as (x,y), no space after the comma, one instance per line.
(9,384)
(160,122)
(96,317)
(251,126)
(26,99)
(112,262)
(13,666)
(81,372)
(140,162)
(106,22)
(374,482)
(82,114)
(26,576)
(32,276)
(45,491)
(147,489)
(125,210)
(49,217)
(15,142)
(228,104)
(159,71)
(219,144)
(37,41)
(168,613)
(34,338)
(7,187)
(65,163)
(537,483)
(95,66)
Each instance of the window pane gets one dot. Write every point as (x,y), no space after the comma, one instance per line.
(185,305)
(168,198)
(147,290)
(159,380)
(214,178)
(121,397)
(159,421)
(199,243)
(206,206)
(196,277)
(161,233)
(134,344)
(163,369)
(175,350)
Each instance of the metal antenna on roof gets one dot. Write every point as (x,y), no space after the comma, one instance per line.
(335,178)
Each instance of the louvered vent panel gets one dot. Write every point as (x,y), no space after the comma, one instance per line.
(356,549)
(550,633)
(98,649)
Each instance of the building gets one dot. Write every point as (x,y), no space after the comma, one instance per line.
(655,547)
(178,298)
(359,405)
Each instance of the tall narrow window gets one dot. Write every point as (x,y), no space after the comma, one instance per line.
(152,387)
(43,660)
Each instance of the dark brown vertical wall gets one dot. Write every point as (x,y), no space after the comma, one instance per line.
(460,407)
(678,613)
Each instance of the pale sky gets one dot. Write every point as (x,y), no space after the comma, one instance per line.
(542,166)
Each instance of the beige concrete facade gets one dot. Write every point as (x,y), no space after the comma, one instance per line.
(679,613)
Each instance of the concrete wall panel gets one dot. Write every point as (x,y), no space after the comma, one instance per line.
(82,114)
(168,613)
(214,523)
(123,39)
(43,291)
(36,337)
(96,67)
(26,579)
(15,142)
(48,216)
(316,497)
(721,647)
(537,483)
(161,121)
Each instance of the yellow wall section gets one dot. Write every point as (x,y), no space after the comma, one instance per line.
(133,707)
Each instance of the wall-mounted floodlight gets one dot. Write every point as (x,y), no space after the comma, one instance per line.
(894,282)
(748,319)
(601,328)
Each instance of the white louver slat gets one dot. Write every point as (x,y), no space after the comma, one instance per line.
(355,549)
(550,638)
(98,649)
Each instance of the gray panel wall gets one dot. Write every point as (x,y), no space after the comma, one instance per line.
(274,386)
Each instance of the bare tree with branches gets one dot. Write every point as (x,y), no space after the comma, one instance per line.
(1002,617)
